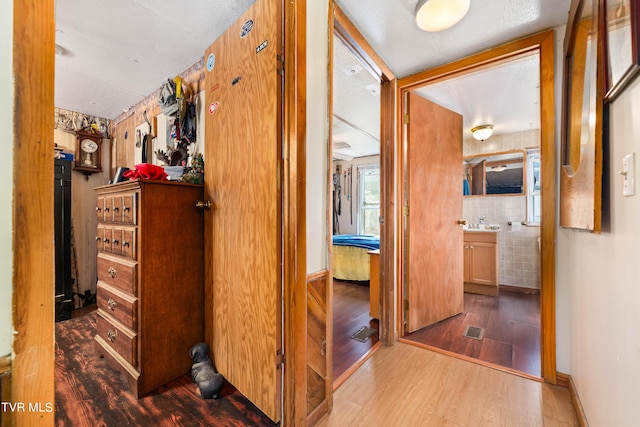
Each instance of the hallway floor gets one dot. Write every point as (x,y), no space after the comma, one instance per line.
(405,385)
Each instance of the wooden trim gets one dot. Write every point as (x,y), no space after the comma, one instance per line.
(359,46)
(566,381)
(294,213)
(544,44)
(519,290)
(317,414)
(33,278)
(353,368)
(490,57)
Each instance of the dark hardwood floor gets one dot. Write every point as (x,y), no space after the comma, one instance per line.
(350,313)
(511,323)
(90,393)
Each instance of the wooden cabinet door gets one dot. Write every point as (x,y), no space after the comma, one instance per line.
(243,167)
(433,242)
(482,263)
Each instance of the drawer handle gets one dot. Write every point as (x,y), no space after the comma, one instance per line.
(106,240)
(125,243)
(126,209)
(112,272)
(98,209)
(111,335)
(115,241)
(111,303)
(116,209)
(98,239)
(106,209)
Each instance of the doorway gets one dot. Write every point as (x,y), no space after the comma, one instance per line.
(362,115)
(543,45)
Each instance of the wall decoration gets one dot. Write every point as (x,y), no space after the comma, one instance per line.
(581,139)
(72,121)
(621,18)
(246,28)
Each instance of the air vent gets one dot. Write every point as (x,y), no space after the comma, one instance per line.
(473,332)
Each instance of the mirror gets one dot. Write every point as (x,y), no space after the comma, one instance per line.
(581,172)
(494,174)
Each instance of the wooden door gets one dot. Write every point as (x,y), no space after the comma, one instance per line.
(434,248)
(243,158)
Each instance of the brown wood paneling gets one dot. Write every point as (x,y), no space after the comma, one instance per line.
(32,194)
(317,355)
(243,175)
(434,239)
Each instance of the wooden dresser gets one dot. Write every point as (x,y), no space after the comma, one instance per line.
(150,279)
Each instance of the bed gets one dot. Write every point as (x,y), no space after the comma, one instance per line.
(351,257)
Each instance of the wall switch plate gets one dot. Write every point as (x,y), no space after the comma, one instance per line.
(628,172)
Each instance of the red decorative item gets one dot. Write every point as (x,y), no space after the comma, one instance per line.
(146,171)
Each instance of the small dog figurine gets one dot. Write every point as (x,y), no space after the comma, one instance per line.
(203,373)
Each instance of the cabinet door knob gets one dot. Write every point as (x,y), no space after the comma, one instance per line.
(111,335)
(462,222)
(111,303)
(112,272)
(203,204)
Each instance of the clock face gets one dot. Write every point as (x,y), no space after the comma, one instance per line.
(88,146)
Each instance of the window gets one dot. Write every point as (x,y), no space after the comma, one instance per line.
(369,200)
(533,187)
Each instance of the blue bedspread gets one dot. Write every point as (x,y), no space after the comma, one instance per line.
(367,242)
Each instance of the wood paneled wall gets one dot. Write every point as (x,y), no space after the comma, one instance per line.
(318,378)
(123,151)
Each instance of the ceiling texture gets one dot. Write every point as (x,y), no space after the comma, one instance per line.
(111,55)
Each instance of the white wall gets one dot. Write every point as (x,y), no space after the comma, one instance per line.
(598,289)
(6,176)
(317,133)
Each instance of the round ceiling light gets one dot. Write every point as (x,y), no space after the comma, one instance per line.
(438,15)
(482,132)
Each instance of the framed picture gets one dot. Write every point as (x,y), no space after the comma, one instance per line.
(622,40)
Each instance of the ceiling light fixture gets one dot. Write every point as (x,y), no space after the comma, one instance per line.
(482,132)
(438,15)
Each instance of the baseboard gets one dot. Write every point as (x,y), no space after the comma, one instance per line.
(520,290)
(566,381)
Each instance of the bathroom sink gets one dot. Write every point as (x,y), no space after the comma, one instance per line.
(481,227)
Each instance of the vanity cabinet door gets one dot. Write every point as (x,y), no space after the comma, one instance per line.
(482,265)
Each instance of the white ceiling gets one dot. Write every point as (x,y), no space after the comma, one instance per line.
(116,53)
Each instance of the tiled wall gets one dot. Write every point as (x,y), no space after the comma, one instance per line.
(519,258)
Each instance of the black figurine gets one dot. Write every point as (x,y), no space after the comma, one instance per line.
(203,373)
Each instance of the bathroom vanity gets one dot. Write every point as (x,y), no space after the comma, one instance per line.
(481,262)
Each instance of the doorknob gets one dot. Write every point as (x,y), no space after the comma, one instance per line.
(462,222)
(203,205)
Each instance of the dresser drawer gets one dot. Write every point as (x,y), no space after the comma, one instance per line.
(123,341)
(118,273)
(124,208)
(123,307)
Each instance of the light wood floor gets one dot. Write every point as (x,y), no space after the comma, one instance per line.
(405,385)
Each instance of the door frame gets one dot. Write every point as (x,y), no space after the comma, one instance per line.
(355,42)
(543,43)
